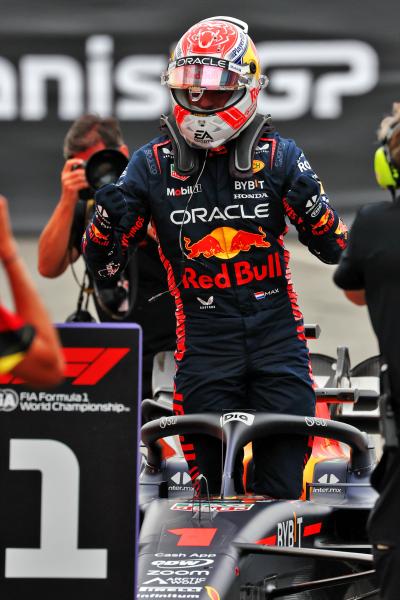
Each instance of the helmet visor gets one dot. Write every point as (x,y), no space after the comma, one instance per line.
(204,77)
(207,73)
(208,101)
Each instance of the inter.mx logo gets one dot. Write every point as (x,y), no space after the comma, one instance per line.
(87,366)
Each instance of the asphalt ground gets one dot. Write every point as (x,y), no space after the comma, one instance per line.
(342,323)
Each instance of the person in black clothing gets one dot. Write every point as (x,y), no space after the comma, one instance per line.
(369,272)
(124,300)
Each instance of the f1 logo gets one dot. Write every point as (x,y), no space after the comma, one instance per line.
(89,365)
(86,365)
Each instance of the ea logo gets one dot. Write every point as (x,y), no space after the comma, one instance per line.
(201,136)
(243,417)
(9,400)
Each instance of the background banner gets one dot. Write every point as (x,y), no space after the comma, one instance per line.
(333,69)
(68,472)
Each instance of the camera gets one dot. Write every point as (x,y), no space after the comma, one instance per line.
(103,167)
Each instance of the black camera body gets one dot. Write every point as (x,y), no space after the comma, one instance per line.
(103,167)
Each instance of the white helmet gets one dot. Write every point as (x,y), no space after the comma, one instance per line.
(214,77)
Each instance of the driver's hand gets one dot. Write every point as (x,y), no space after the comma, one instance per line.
(304,197)
(110,203)
(73,179)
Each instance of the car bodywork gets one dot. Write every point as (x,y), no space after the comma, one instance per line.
(252,547)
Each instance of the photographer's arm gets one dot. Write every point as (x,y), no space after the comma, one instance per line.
(43,362)
(54,254)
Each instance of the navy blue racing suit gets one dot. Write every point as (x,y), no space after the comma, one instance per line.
(240,333)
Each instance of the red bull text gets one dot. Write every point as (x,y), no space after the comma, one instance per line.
(239,273)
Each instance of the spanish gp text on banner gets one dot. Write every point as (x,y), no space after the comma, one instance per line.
(68,472)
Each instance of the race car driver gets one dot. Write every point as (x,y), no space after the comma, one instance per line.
(217,187)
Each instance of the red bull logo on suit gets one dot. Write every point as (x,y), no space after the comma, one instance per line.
(225,243)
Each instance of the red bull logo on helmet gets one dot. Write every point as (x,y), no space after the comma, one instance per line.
(225,243)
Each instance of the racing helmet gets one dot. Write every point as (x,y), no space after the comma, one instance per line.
(214,77)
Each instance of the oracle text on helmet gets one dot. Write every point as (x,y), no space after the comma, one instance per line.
(130,87)
(203,60)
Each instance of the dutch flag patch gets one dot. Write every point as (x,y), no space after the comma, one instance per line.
(259,295)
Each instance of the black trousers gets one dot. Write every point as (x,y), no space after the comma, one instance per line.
(240,364)
(384,525)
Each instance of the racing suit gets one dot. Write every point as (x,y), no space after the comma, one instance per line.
(240,334)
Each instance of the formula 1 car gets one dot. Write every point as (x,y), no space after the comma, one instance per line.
(251,547)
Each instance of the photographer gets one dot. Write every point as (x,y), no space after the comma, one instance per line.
(369,272)
(29,346)
(124,299)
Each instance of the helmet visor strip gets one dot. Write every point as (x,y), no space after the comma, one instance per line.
(219,75)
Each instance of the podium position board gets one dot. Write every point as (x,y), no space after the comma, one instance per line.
(69,471)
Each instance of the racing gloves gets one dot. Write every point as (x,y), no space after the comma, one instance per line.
(110,211)
(318,226)
(305,198)
(115,224)
(110,204)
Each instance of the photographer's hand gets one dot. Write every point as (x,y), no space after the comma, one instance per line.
(54,253)
(73,179)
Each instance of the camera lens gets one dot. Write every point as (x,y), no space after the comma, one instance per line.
(105,167)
